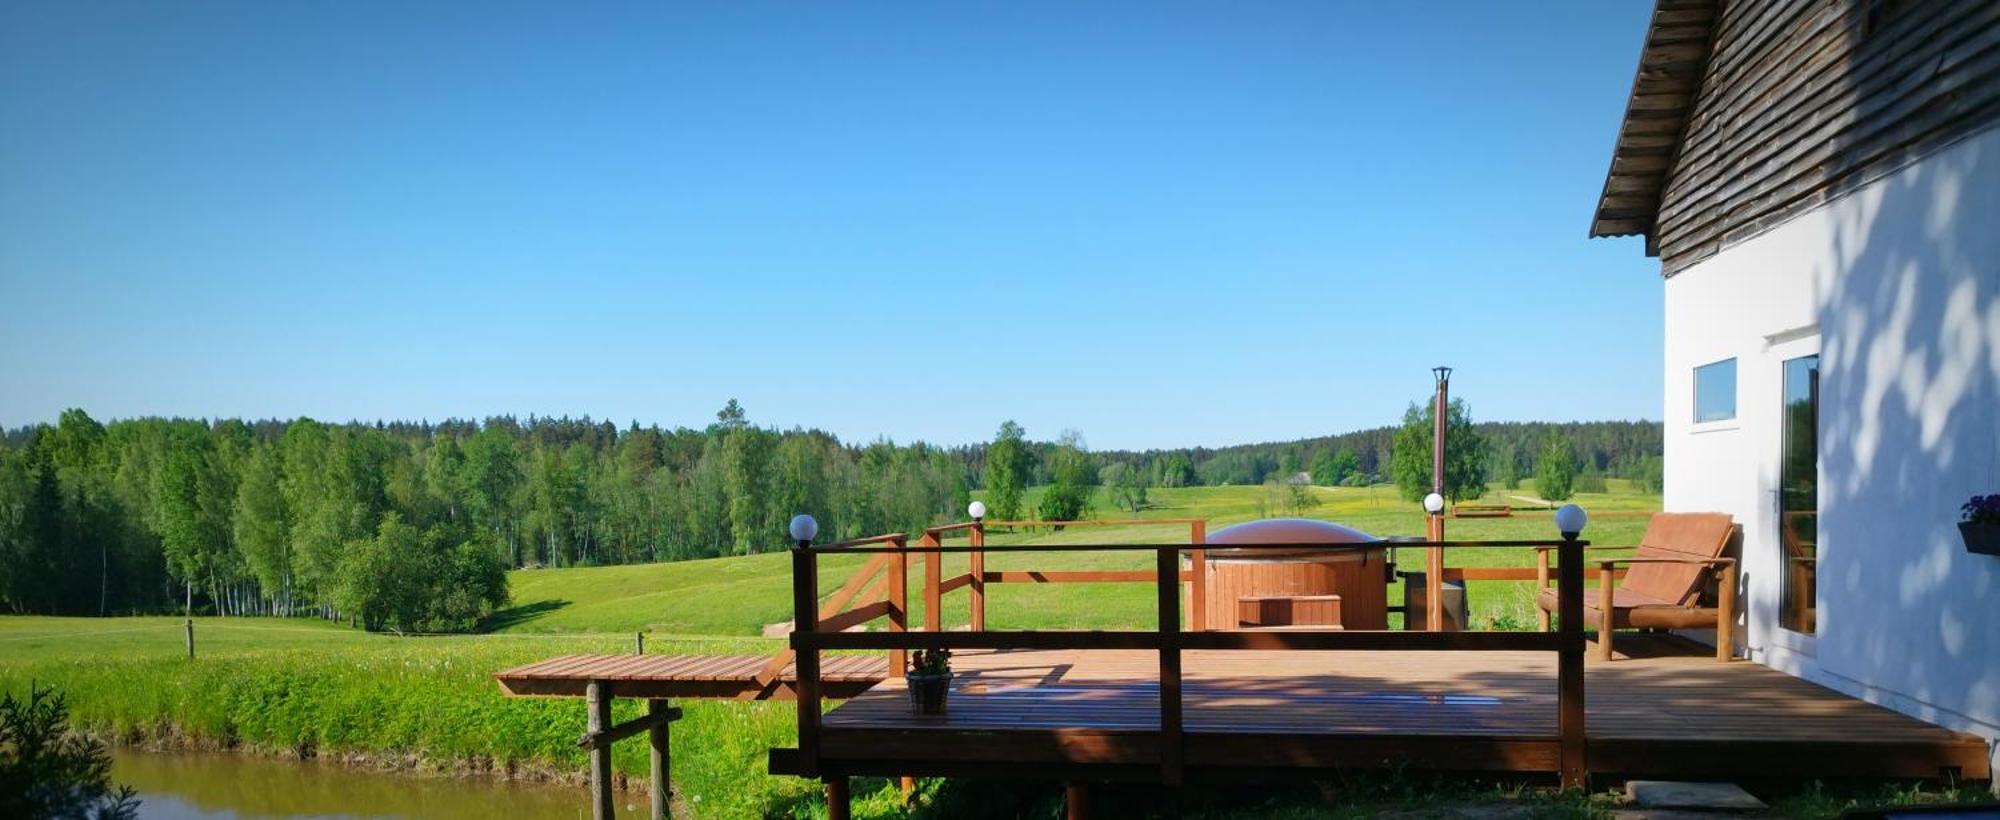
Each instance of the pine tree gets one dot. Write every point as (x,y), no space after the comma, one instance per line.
(1555,470)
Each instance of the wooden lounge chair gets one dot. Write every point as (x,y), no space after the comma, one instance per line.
(1678,555)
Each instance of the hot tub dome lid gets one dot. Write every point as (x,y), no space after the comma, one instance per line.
(1289,531)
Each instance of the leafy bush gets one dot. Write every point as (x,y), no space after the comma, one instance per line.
(434,581)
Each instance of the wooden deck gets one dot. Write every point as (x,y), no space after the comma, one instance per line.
(663,677)
(1096,714)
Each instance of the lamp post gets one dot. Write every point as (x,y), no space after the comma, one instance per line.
(1439,411)
(1434,506)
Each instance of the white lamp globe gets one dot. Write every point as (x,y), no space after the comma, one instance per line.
(1570,520)
(1434,503)
(976,509)
(803,527)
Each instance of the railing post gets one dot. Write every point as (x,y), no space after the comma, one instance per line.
(1434,578)
(1541,583)
(1198,578)
(933,580)
(899,603)
(805,621)
(977,560)
(1569,663)
(1168,582)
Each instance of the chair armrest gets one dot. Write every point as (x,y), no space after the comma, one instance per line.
(1609,563)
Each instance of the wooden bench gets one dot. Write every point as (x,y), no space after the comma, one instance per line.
(1677,556)
(731,677)
(1274,611)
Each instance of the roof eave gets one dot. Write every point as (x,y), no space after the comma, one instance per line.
(1679,39)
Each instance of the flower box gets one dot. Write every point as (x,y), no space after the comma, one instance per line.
(1981,539)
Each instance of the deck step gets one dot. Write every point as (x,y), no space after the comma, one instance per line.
(1672,794)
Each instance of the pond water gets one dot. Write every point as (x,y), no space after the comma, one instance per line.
(214,786)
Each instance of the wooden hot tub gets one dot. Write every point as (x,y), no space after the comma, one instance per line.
(1242,581)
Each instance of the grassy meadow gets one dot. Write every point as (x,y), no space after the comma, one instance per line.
(302,687)
(738,596)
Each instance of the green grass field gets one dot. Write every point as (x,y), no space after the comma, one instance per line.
(738,596)
(300,686)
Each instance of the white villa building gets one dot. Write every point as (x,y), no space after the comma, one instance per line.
(1821,183)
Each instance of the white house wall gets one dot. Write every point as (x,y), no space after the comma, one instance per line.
(1897,287)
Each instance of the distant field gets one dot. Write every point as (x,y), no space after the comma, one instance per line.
(738,596)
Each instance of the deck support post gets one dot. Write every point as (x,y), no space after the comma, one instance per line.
(1076,801)
(662,757)
(598,698)
(1569,664)
(1168,581)
(837,798)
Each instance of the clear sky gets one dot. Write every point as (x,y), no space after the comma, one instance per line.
(1159,224)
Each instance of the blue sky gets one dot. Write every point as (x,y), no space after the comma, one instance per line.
(1159,224)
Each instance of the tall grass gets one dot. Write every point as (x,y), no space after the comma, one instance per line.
(422,703)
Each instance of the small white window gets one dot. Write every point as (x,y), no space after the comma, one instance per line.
(1715,391)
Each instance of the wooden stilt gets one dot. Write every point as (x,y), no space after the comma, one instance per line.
(1076,801)
(837,799)
(909,786)
(661,773)
(598,697)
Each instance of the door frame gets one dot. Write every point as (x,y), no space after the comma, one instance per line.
(1775,357)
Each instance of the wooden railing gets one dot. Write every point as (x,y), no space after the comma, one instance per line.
(1167,638)
(889,597)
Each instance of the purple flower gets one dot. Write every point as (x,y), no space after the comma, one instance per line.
(1982,509)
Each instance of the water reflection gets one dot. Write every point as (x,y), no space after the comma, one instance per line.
(217,786)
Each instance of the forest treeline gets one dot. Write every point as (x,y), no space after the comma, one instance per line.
(412,525)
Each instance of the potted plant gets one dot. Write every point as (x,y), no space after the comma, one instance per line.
(1980,524)
(929,680)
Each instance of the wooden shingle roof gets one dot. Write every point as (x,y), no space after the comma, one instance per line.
(1678,42)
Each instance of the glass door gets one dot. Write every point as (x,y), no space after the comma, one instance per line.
(1798,494)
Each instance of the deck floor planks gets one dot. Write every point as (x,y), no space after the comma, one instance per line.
(1493,710)
(1688,707)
